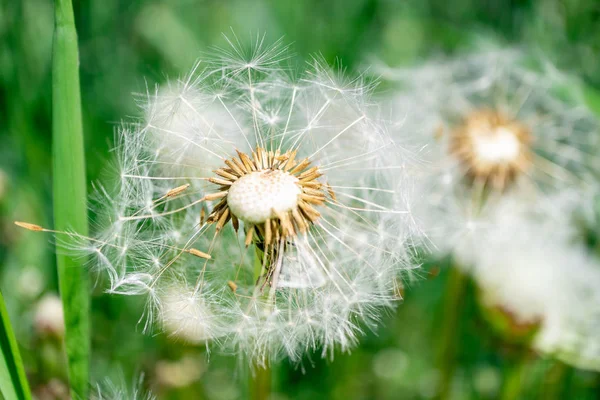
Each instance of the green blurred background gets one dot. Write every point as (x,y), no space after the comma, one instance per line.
(129,45)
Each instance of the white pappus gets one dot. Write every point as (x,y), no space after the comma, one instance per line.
(259,210)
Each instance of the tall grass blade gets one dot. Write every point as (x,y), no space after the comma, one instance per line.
(13,382)
(70,209)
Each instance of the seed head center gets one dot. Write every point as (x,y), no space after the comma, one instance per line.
(274,194)
(261,195)
(498,145)
(492,147)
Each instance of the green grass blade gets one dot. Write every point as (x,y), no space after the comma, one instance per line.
(13,381)
(69,186)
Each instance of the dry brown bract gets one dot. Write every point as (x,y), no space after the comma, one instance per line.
(493,148)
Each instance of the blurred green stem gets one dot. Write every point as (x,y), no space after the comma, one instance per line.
(555,381)
(513,378)
(455,288)
(260,376)
(69,188)
(260,386)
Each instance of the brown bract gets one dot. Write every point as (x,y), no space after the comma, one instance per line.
(500,166)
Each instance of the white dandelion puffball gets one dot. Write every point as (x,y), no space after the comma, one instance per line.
(541,279)
(268,214)
(490,128)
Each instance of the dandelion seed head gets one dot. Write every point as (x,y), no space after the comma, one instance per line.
(261,195)
(491,128)
(266,213)
(510,161)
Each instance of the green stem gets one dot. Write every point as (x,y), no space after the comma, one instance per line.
(555,381)
(69,187)
(513,379)
(13,381)
(260,376)
(260,386)
(455,288)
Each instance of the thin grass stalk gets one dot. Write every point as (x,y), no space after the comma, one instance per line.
(455,288)
(13,381)
(69,186)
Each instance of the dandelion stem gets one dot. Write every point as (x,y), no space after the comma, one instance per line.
(555,381)
(455,287)
(260,378)
(513,379)
(69,186)
(260,386)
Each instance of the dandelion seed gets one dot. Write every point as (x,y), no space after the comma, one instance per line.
(232,285)
(177,190)
(28,226)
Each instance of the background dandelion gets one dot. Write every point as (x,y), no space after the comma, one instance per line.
(504,143)
(492,128)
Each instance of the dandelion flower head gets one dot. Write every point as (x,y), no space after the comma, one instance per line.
(492,127)
(258,208)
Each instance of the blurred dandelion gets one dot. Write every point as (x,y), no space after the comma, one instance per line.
(492,127)
(541,283)
(49,318)
(268,213)
(179,373)
(52,390)
(503,143)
